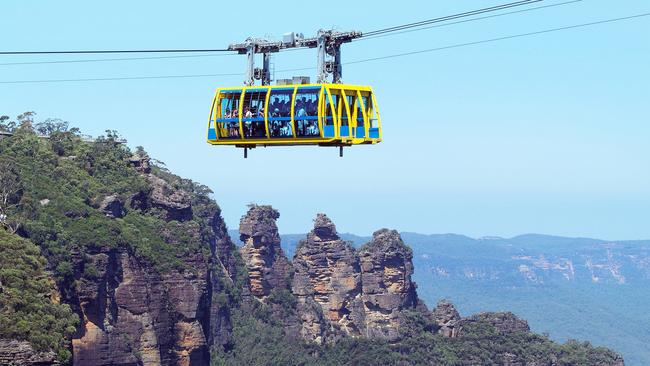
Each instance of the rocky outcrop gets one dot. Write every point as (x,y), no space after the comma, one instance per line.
(175,202)
(344,292)
(21,353)
(268,267)
(447,319)
(112,206)
(141,163)
(504,322)
(387,288)
(327,274)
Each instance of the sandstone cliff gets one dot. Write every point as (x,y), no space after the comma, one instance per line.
(135,314)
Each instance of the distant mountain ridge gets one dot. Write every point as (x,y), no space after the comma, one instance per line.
(539,257)
(552,281)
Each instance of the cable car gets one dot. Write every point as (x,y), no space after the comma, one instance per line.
(295,112)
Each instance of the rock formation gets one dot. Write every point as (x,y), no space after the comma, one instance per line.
(175,202)
(327,283)
(267,265)
(21,353)
(141,163)
(447,319)
(387,289)
(504,322)
(344,292)
(111,206)
(133,314)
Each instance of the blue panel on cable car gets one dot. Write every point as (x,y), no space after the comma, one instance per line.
(373,133)
(345,130)
(328,131)
(361,132)
(212,135)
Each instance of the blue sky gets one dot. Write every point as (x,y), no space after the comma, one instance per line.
(547,133)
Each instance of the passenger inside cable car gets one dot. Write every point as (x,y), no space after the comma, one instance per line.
(253,114)
(306,113)
(228,121)
(279,113)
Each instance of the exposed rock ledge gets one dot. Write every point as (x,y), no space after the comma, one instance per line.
(21,353)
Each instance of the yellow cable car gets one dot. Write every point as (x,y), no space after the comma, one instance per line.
(298,114)
(295,112)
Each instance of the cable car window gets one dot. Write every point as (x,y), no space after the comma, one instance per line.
(306,112)
(360,111)
(344,117)
(373,125)
(279,113)
(330,109)
(372,122)
(253,113)
(227,116)
(360,130)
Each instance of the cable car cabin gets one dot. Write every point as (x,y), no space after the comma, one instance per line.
(304,114)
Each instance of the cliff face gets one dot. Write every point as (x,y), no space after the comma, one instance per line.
(134,314)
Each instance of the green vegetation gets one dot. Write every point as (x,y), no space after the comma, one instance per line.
(52,183)
(64,179)
(26,310)
(260,340)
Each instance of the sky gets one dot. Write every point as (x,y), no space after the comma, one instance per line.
(546,134)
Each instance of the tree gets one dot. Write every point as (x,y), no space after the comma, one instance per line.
(26,119)
(6,124)
(10,188)
(139,151)
(50,126)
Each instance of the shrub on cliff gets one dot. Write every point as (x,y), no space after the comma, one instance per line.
(27,311)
